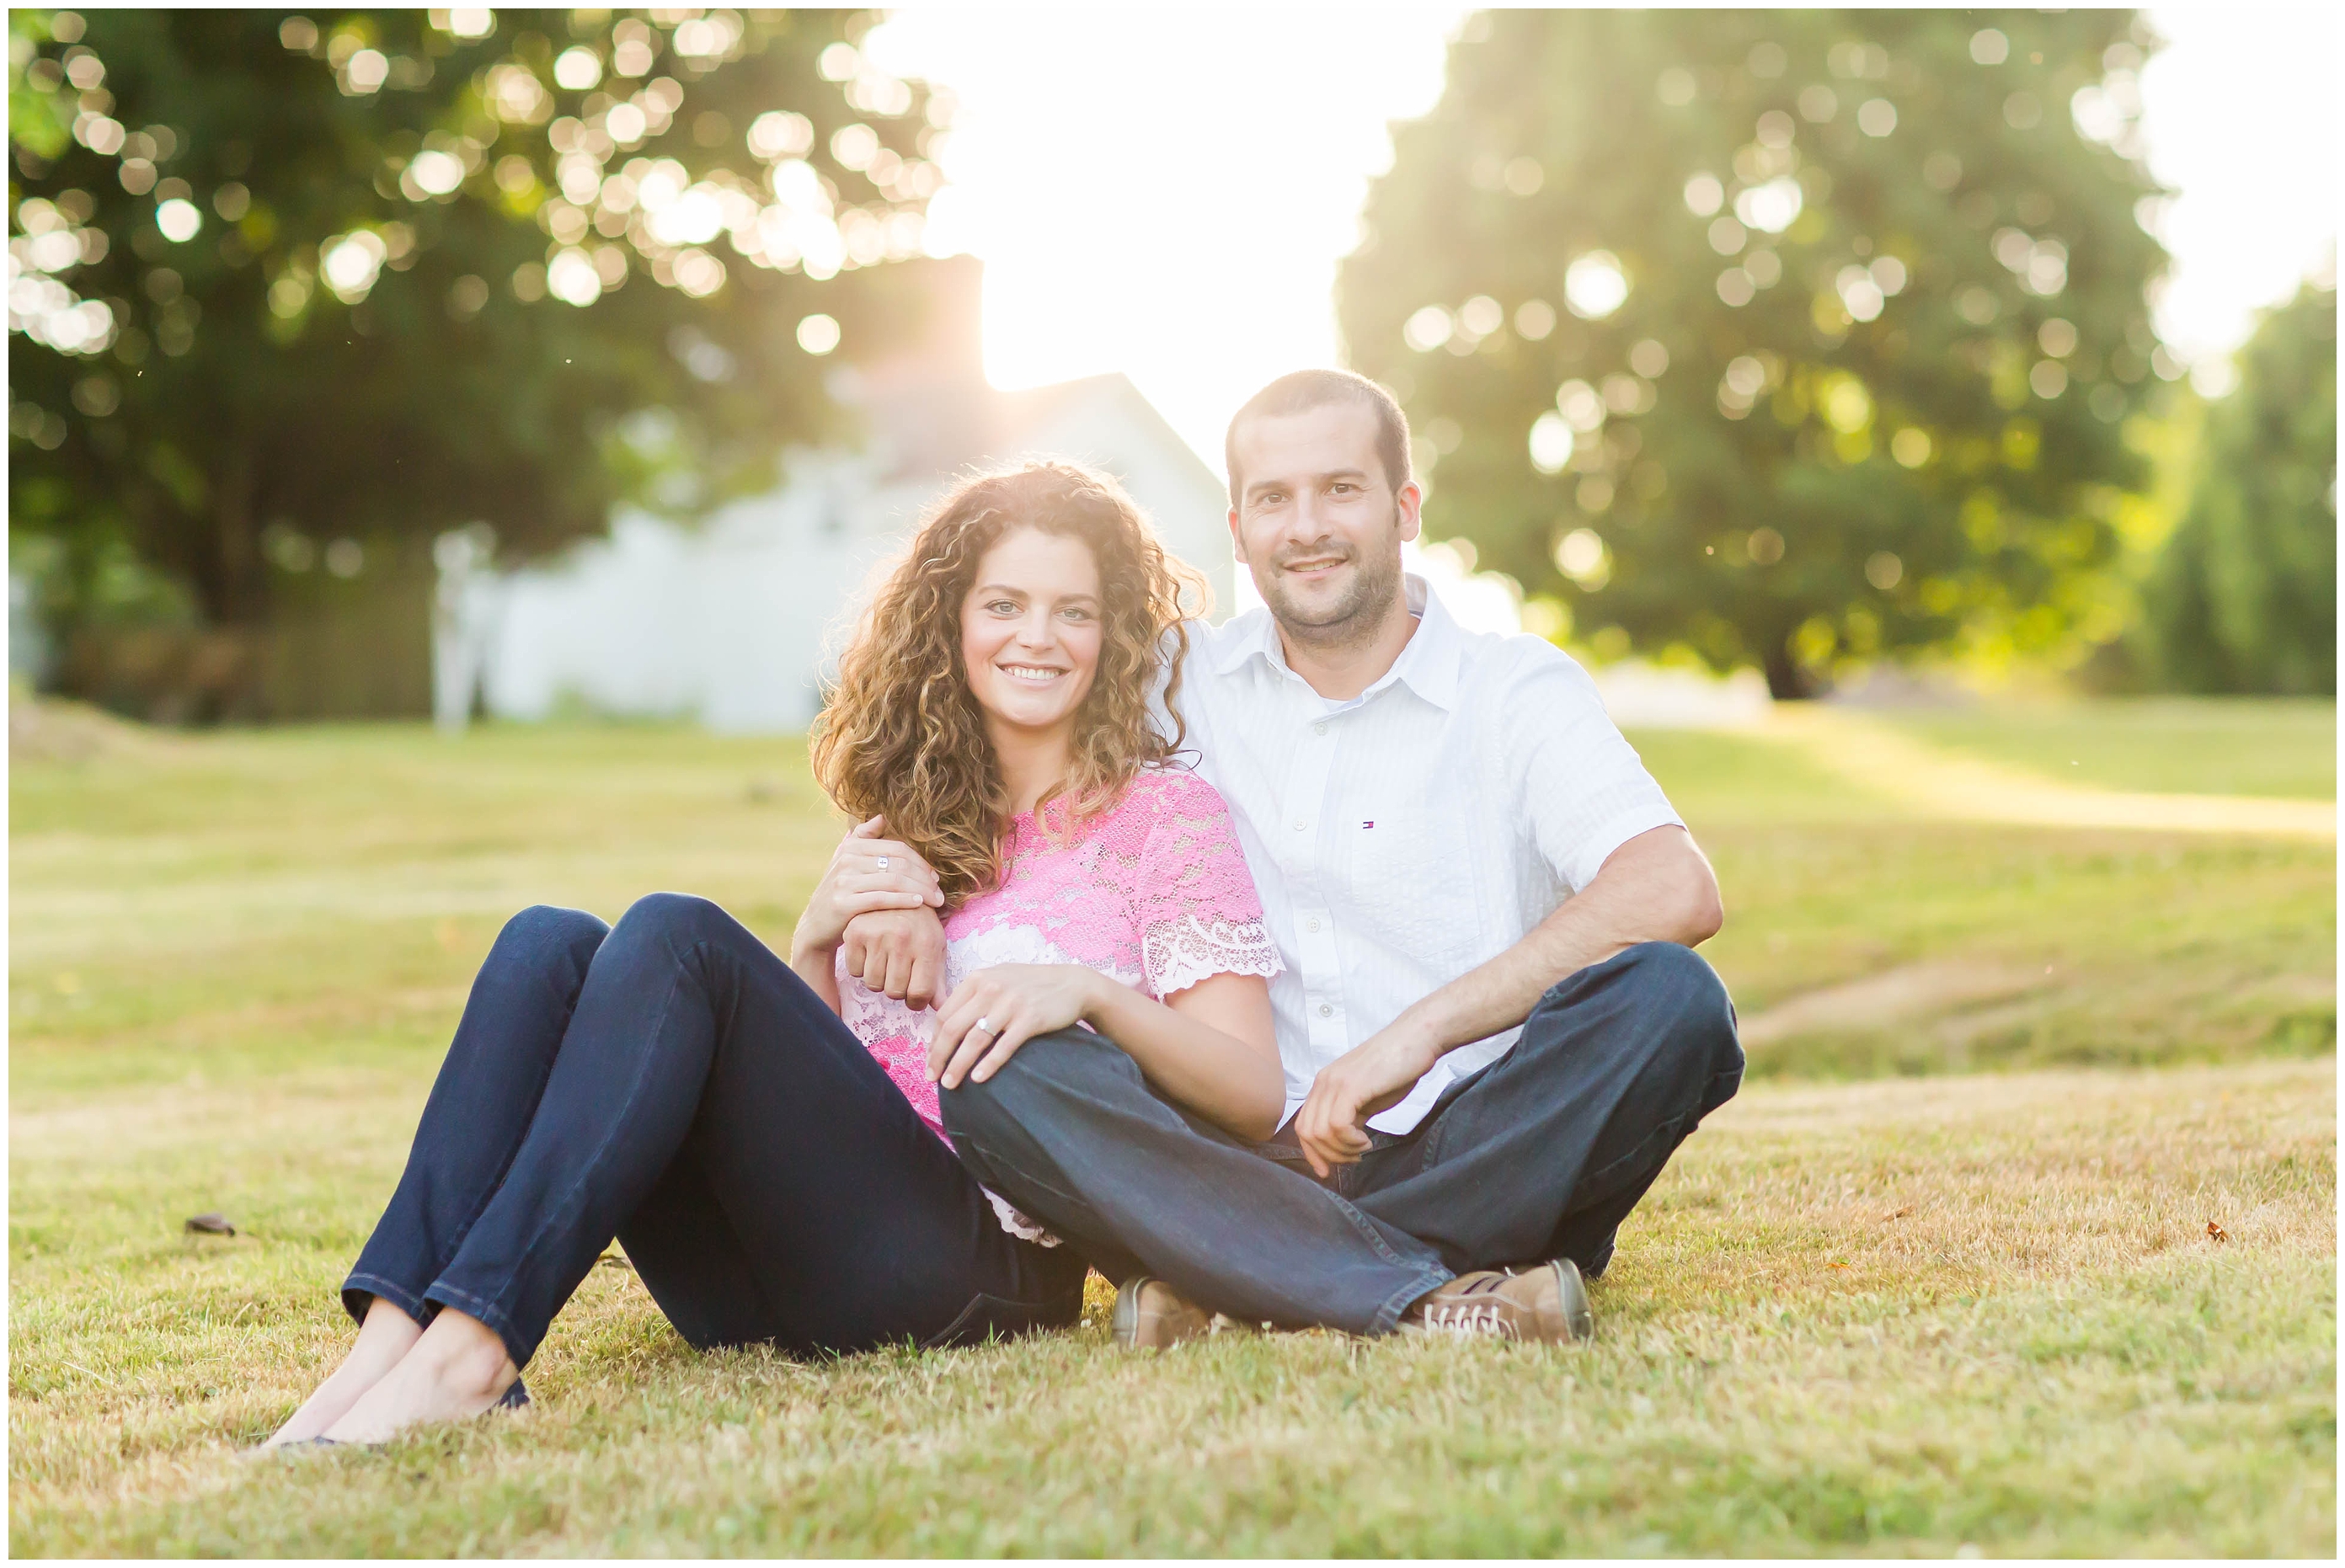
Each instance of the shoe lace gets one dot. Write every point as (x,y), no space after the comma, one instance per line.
(1485,1319)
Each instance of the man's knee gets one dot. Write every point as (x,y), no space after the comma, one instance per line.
(1667,998)
(1045,1071)
(1688,1001)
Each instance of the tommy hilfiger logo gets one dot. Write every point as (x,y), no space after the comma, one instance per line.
(1368,824)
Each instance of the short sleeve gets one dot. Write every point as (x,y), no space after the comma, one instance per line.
(1576,781)
(1193,898)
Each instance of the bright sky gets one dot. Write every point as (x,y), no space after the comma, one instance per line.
(1167,193)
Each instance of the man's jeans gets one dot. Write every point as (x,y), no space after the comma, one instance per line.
(1539,1154)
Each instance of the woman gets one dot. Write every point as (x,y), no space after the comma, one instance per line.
(762,1138)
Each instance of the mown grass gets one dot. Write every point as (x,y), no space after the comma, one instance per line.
(2252,746)
(1893,1316)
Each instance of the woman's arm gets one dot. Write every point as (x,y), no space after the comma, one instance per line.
(1211,1047)
(866,873)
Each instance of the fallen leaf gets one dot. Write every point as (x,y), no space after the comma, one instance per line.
(212,1224)
(1838,1264)
(1900,1212)
(2216,1232)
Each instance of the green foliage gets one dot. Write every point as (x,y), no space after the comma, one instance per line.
(1883,316)
(278,280)
(2244,597)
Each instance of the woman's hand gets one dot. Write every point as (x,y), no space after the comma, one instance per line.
(866,872)
(995,1011)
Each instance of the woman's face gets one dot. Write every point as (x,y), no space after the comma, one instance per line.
(1030,630)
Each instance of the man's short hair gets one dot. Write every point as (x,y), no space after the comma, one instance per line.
(1301,390)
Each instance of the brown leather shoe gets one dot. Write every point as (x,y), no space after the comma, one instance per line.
(1547,1306)
(1150,1315)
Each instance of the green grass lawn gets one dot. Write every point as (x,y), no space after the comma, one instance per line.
(1900,1315)
(2255,746)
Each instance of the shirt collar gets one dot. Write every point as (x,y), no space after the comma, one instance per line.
(1428,664)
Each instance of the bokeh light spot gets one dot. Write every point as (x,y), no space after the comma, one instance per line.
(1594,286)
(577,69)
(1551,441)
(1428,330)
(179,220)
(818,334)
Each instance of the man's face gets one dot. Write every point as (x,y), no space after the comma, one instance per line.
(1318,522)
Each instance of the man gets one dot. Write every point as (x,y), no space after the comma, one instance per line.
(1494,1029)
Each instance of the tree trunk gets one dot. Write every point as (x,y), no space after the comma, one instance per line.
(1788,680)
(239,589)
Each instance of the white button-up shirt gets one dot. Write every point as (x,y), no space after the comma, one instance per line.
(1406,836)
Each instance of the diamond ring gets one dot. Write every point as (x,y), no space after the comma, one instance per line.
(883,863)
(983,1025)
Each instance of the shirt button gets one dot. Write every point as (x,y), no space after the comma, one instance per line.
(1311,926)
(1298,827)
(1326,1011)
(1320,728)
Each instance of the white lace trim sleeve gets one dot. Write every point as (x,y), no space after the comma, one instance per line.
(1178,954)
(1016,1223)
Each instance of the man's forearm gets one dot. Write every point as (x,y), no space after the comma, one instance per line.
(1656,887)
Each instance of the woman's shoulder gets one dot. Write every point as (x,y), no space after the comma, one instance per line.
(1170,789)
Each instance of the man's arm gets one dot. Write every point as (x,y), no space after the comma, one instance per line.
(898,951)
(1656,888)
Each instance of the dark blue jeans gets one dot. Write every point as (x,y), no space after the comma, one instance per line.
(1539,1154)
(672,1082)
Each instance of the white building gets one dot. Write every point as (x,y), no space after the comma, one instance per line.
(731,621)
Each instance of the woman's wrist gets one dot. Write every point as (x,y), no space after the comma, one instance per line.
(806,947)
(1097,993)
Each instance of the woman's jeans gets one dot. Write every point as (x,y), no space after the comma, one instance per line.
(671,1082)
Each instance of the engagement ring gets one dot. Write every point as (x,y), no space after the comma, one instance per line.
(883,863)
(984,1026)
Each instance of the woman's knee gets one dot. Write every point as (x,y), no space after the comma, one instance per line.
(685,916)
(546,935)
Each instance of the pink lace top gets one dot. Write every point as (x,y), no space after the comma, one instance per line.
(1155,893)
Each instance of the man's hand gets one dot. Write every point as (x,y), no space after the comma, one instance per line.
(901,952)
(868,871)
(1374,1076)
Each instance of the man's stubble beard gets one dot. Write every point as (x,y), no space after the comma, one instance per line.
(1356,617)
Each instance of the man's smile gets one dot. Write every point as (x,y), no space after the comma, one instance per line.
(1313,567)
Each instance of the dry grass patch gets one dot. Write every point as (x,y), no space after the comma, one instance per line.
(1890,1317)
(1901,1317)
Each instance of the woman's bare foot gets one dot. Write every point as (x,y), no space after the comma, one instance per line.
(458,1369)
(385,1336)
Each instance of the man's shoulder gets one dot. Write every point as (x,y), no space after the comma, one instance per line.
(1219,646)
(1503,664)
(1217,660)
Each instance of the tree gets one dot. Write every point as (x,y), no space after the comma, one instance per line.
(2244,596)
(1789,337)
(275,281)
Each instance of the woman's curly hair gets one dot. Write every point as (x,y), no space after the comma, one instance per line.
(901,735)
